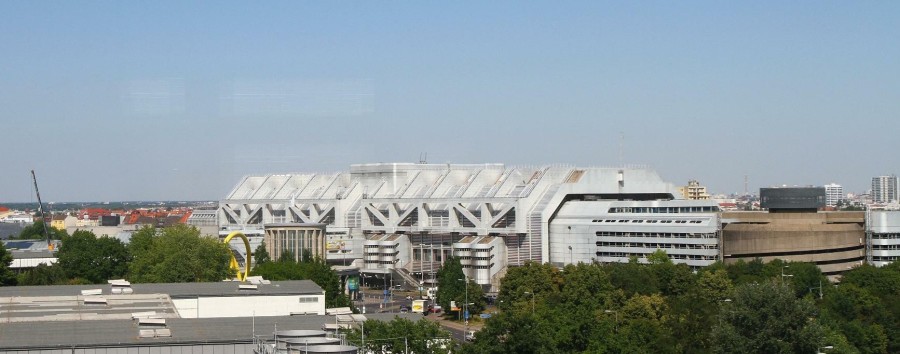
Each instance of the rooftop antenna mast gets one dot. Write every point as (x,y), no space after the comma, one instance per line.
(41,209)
(745,186)
(621,149)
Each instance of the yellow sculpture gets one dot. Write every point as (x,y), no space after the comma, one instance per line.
(242,276)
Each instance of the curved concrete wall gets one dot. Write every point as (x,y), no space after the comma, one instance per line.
(835,241)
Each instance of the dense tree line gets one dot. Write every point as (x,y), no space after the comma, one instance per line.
(661,307)
(402,336)
(36,231)
(174,254)
(312,268)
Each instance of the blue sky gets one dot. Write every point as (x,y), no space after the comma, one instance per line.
(175,101)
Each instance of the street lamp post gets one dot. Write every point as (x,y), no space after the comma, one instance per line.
(532,300)
(465,281)
(616,314)
(817,287)
(784,275)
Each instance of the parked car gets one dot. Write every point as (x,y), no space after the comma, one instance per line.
(470,336)
(434,308)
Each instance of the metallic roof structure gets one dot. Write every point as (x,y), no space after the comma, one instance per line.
(481,199)
(74,334)
(174,290)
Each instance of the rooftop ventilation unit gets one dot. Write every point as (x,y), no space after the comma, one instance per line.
(91,292)
(152,321)
(154,333)
(148,314)
(94,300)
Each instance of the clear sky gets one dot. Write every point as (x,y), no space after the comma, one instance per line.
(173,101)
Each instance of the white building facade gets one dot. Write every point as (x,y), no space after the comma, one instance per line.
(414,216)
(833,194)
(883,233)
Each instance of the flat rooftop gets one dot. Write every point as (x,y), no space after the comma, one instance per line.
(173,290)
(119,333)
(44,309)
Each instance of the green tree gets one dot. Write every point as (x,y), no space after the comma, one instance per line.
(178,255)
(450,286)
(7,277)
(714,285)
(517,333)
(401,336)
(43,275)
(767,318)
(633,278)
(541,280)
(321,273)
(96,260)
(35,231)
(261,255)
(313,268)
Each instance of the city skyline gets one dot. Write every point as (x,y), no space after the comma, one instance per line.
(172,101)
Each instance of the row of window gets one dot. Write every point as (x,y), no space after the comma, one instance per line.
(479,267)
(379,262)
(885,258)
(691,257)
(664,210)
(476,249)
(641,221)
(658,245)
(385,253)
(885,236)
(477,258)
(309,299)
(885,247)
(656,234)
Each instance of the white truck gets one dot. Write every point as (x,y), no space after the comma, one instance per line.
(419,306)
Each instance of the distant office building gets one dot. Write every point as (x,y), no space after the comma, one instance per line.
(792,199)
(833,193)
(884,189)
(694,191)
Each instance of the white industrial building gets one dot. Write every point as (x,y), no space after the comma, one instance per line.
(220,318)
(406,218)
(883,232)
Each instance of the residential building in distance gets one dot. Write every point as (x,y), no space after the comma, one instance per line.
(884,189)
(693,191)
(833,194)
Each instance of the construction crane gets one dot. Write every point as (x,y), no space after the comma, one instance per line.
(41,209)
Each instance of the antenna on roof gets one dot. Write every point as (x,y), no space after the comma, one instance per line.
(621,148)
(423,158)
(745,185)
